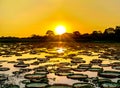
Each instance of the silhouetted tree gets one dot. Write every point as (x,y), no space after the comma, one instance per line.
(117,33)
(76,33)
(96,36)
(35,36)
(50,33)
(109,31)
(50,36)
(117,30)
(108,34)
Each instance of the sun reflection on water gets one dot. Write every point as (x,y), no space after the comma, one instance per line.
(61,50)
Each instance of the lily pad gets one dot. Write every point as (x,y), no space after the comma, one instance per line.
(77,76)
(110,85)
(83,85)
(36,85)
(59,86)
(34,76)
(109,74)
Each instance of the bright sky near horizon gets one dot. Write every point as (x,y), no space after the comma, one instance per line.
(26,17)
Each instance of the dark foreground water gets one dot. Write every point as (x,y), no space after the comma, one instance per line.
(60,63)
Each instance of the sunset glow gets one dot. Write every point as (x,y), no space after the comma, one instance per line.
(23,18)
(60,30)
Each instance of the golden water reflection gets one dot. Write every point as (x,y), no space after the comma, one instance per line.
(61,52)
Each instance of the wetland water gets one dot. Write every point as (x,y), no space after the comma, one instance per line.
(60,63)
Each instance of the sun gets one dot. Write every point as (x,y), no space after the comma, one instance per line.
(60,30)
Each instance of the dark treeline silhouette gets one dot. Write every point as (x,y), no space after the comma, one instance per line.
(109,35)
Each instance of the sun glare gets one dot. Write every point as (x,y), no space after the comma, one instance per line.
(60,30)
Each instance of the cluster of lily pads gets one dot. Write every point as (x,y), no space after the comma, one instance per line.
(62,62)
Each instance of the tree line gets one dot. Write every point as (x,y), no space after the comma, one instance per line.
(109,35)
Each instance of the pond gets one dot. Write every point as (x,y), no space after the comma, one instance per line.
(23,65)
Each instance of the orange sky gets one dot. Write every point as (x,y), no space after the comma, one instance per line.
(23,18)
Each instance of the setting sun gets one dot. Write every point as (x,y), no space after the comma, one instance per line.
(60,30)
